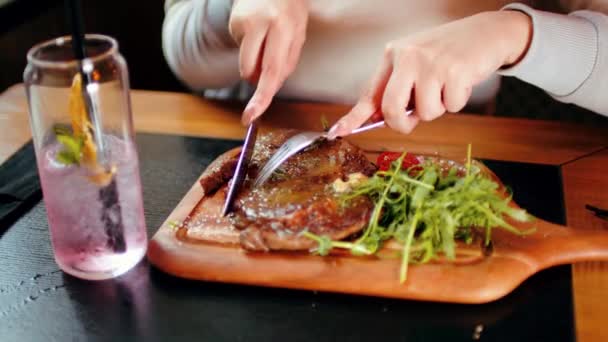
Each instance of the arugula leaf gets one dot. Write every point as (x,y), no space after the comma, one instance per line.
(427,211)
(324,123)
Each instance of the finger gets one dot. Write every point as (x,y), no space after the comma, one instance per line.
(272,73)
(295,50)
(429,105)
(353,119)
(293,56)
(368,104)
(456,94)
(255,77)
(396,98)
(373,93)
(406,124)
(251,53)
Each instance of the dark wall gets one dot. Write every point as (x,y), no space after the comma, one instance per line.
(135,24)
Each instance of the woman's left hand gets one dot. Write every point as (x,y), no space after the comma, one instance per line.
(437,69)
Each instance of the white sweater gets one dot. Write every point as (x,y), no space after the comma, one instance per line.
(568,55)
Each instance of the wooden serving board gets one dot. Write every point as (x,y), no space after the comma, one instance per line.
(469,280)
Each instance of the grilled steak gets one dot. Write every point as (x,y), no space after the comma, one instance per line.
(298,197)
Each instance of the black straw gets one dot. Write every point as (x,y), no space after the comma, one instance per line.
(73,10)
(108,195)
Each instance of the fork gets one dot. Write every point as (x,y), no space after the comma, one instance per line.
(296,144)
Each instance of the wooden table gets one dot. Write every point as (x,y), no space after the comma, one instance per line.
(581,151)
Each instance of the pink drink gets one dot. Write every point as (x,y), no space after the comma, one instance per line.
(79,235)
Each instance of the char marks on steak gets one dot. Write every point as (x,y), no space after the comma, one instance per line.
(299,196)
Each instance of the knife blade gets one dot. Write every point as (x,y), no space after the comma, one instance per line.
(241,167)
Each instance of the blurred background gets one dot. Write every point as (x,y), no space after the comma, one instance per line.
(137,24)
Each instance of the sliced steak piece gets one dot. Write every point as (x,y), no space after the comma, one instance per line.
(219,171)
(204,223)
(299,197)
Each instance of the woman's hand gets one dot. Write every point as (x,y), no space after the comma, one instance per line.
(270,34)
(436,70)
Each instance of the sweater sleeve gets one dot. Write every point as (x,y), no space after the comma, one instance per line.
(197,44)
(567,57)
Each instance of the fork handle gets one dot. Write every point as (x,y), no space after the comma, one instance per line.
(366,128)
(374,125)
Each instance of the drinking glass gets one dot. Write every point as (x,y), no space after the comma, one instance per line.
(80,116)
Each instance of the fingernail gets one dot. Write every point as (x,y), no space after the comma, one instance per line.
(250,106)
(245,120)
(249,112)
(334,131)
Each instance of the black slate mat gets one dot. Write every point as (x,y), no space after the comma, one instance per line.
(19,186)
(40,303)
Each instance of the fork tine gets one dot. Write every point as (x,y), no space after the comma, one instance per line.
(284,149)
(282,154)
(289,148)
(262,175)
(270,166)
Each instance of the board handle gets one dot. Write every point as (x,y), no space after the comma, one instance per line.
(561,245)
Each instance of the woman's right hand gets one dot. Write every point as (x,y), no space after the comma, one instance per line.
(270,34)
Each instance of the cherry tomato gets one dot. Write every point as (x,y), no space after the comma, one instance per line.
(385,159)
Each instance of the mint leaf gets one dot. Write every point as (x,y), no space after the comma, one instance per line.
(66,158)
(62,130)
(72,146)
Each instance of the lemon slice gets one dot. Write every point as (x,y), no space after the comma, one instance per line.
(82,128)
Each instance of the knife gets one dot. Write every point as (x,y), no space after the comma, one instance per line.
(241,167)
